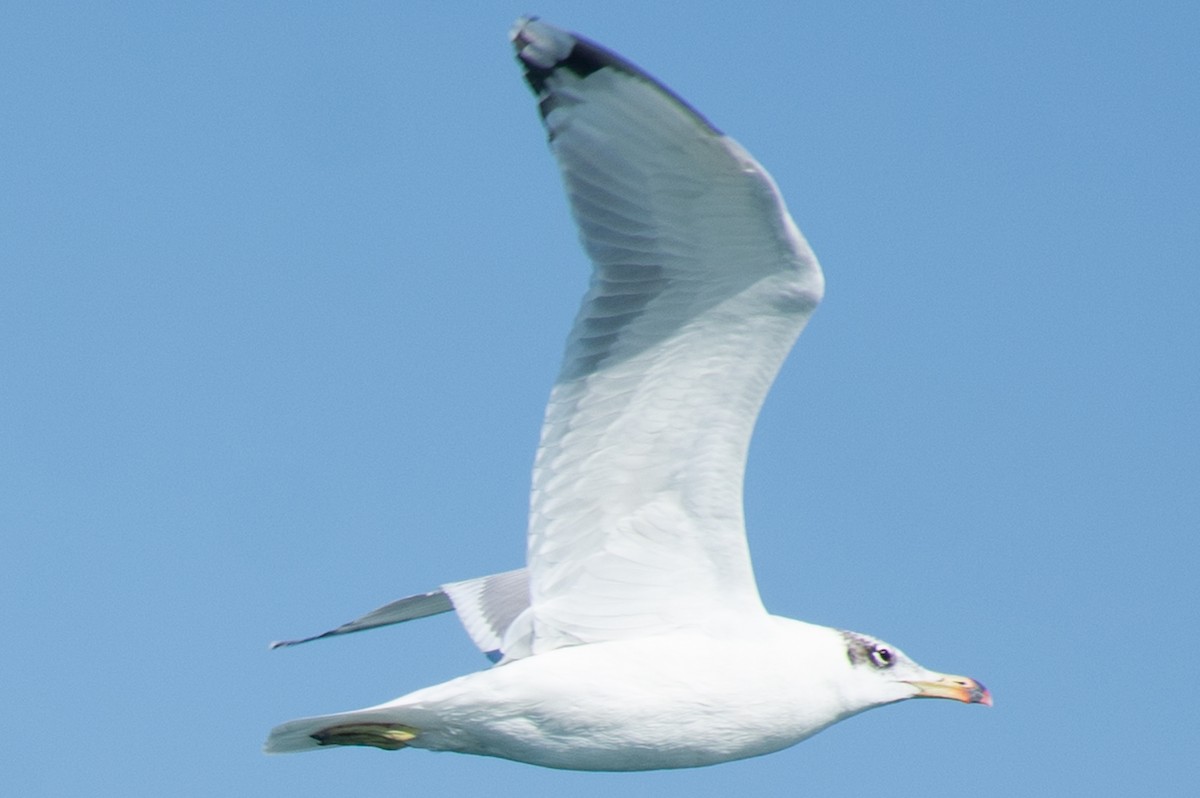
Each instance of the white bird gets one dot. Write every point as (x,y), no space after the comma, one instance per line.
(635,638)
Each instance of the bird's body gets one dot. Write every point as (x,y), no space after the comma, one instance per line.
(686,699)
(635,638)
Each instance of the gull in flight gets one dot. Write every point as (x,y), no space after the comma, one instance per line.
(634,638)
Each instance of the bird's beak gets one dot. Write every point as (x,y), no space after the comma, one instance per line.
(960,688)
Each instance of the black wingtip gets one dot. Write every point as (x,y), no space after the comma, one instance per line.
(541,49)
(544,49)
(285,643)
(289,643)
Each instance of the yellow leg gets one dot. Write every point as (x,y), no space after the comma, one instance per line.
(389,736)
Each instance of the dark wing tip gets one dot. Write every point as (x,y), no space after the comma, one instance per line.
(544,49)
(274,644)
(287,643)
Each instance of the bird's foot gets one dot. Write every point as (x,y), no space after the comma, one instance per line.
(388,736)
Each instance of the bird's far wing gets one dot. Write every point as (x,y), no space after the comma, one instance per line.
(398,611)
(486,606)
(700,284)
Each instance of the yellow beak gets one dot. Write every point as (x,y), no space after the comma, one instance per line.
(960,688)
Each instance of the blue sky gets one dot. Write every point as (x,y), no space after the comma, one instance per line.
(283,289)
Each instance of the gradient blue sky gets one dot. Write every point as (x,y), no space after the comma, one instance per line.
(283,289)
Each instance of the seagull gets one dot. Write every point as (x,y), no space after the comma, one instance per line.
(635,638)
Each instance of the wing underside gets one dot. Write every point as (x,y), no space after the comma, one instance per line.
(700,285)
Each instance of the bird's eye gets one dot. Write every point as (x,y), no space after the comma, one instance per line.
(882,657)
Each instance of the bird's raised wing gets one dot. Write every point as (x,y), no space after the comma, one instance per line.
(701,283)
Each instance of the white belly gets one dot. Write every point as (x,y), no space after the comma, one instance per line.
(666,702)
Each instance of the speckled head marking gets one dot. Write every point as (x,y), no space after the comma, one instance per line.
(856,646)
(861,649)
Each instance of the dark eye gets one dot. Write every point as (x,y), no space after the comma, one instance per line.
(882,657)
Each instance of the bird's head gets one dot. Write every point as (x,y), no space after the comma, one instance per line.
(880,673)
